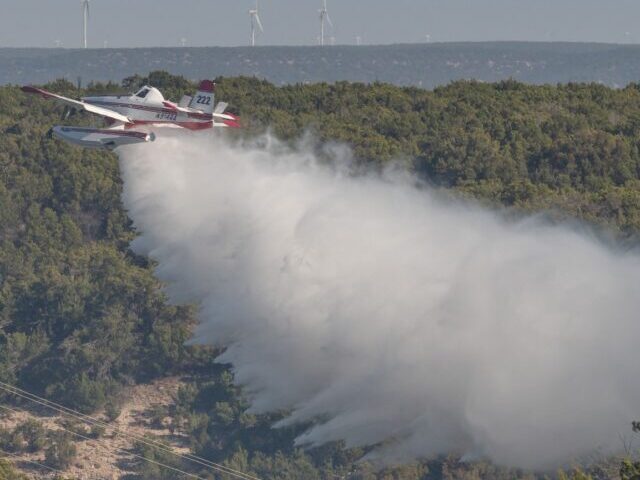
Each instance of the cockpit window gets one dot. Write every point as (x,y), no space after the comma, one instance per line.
(142,93)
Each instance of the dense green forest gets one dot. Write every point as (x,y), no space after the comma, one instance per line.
(81,316)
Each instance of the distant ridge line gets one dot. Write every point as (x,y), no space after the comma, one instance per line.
(423,65)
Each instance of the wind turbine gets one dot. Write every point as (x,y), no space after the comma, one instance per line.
(255,22)
(324,15)
(85,17)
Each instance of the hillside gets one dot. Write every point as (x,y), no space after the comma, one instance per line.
(104,452)
(424,65)
(83,320)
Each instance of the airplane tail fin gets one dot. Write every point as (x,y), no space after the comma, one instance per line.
(204,99)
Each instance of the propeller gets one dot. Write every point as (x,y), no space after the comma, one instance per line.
(68,112)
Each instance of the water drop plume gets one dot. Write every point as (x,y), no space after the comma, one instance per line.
(391,315)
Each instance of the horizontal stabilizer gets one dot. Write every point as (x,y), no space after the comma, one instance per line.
(226,116)
(227,123)
(221,107)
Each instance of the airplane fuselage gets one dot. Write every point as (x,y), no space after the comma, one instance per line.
(144,112)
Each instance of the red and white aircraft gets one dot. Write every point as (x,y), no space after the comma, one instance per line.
(147,107)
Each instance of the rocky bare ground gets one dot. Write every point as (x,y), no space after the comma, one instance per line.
(110,456)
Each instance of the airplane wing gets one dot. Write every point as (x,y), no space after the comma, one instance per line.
(109,139)
(103,112)
(220,107)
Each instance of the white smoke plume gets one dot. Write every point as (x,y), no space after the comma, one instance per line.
(396,316)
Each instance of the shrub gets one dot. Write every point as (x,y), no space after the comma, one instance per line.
(34,435)
(61,453)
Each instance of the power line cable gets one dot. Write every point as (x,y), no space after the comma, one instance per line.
(94,421)
(33,462)
(117,449)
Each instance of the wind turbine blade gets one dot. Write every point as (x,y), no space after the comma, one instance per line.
(329,19)
(259,23)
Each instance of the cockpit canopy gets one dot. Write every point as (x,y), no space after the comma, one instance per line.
(150,94)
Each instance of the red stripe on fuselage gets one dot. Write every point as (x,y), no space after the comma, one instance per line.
(134,106)
(187,125)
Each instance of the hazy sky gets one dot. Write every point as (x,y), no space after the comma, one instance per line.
(136,23)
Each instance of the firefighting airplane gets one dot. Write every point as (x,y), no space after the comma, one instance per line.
(147,107)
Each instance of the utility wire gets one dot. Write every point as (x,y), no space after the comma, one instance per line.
(117,449)
(33,462)
(94,421)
